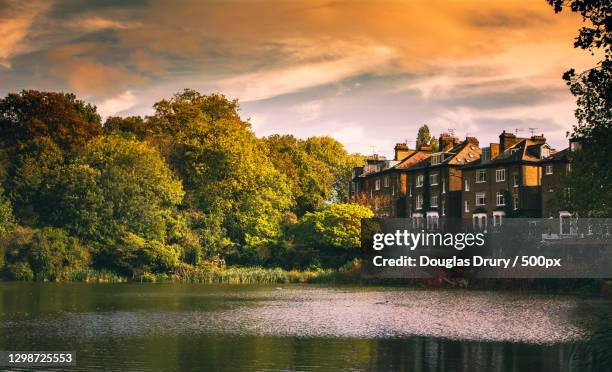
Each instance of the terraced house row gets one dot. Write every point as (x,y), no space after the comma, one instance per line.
(517,177)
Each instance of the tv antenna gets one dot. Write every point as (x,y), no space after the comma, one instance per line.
(373,150)
(517,130)
(451,131)
(532,131)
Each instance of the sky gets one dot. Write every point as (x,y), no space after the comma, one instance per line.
(366,73)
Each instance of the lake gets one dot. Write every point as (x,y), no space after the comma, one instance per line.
(181,327)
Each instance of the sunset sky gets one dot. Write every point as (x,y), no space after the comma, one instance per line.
(366,73)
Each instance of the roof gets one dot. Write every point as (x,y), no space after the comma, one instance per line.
(526,150)
(461,154)
(559,156)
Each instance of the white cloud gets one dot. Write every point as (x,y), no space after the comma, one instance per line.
(114,105)
(99,23)
(308,111)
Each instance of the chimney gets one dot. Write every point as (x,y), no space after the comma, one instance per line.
(472,140)
(401,151)
(506,140)
(494,150)
(447,141)
(425,147)
(539,139)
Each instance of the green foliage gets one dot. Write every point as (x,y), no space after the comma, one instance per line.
(591,172)
(46,254)
(131,125)
(311,180)
(133,255)
(29,115)
(339,163)
(337,226)
(116,186)
(225,169)
(37,171)
(424,137)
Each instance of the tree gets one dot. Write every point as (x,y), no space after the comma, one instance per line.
(310,179)
(424,137)
(226,170)
(33,188)
(591,172)
(29,115)
(339,163)
(117,186)
(338,226)
(134,125)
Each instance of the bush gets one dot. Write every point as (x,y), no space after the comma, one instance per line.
(46,254)
(135,255)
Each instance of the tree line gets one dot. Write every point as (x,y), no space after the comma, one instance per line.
(189,185)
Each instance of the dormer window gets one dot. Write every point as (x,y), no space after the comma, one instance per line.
(437,159)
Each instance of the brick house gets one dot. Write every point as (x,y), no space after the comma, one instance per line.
(506,181)
(382,184)
(434,188)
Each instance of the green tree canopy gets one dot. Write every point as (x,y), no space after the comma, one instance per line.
(226,170)
(424,137)
(29,115)
(591,177)
(115,186)
(337,226)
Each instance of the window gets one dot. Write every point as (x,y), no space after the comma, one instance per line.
(419,202)
(500,175)
(437,159)
(480,221)
(434,200)
(386,181)
(486,153)
(498,217)
(481,176)
(466,206)
(499,198)
(377,184)
(481,199)
(466,185)
(419,181)
(432,220)
(443,185)
(417,220)
(515,180)
(549,169)
(433,179)
(565,223)
(393,190)
(515,202)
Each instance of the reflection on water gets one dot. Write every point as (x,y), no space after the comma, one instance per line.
(191,327)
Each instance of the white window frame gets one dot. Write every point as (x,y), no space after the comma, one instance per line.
(466,185)
(432,220)
(433,201)
(418,202)
(500,175)
(548,169)
(484,198)
(433,179)
(466,206)
(484,173)
(515,180)
(479,220)
(377,184)
(419,180)
(499,199)
(498,218)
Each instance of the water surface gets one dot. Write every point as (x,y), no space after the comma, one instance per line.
(215,327)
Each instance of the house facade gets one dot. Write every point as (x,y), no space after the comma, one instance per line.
(517,177)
